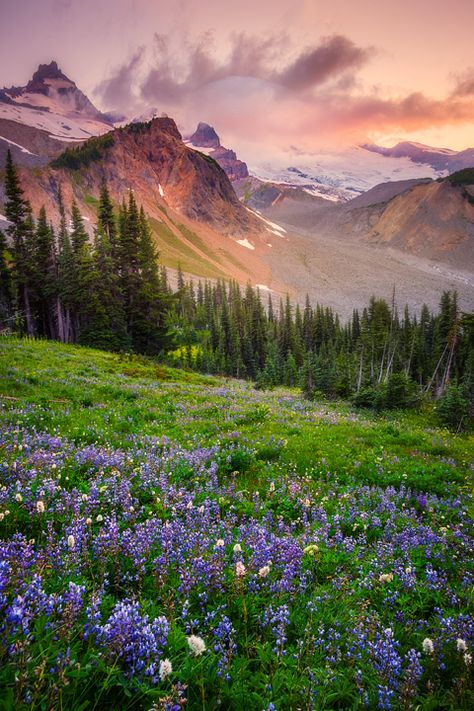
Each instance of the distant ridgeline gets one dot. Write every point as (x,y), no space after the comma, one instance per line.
(111,293)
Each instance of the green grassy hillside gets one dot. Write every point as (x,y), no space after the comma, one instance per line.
(281,554)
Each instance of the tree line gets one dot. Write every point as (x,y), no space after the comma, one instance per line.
(109,292)
(56,283)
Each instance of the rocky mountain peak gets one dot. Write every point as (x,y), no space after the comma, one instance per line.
(48,71)
(205,136)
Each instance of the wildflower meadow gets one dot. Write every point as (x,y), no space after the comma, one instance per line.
(176,541)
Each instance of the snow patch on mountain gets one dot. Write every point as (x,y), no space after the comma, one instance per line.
(17,145)
(245,243)
(202,149)
(59,127)
(272,226)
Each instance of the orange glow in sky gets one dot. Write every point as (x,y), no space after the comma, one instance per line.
(306,73)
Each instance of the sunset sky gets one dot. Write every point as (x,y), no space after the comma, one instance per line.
(277,73)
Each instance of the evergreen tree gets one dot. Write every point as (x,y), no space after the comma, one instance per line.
(6,287)
(45,276)
(20,231)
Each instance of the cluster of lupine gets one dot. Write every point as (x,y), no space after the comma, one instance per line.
(162,573)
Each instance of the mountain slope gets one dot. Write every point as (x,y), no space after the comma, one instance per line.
(194,212)
(51,90)
(435,220)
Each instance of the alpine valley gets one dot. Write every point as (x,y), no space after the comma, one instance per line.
(339,227)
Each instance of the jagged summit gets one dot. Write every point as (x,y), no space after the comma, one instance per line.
(46,71)
(205,136)
(51,90)
(206,139)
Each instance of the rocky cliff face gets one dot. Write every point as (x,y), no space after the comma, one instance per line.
(151,159)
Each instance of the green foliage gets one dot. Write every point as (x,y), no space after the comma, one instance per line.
(84,155)
(138,127)
(453,409)
(398,392)
(462,177)
(334,499)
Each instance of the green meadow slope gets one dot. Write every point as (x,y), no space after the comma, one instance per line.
(311,550)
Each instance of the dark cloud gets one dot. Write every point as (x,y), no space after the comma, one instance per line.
(264,92)
(173,78)
(334,56)
(117,92)
(465,84)
(174,75)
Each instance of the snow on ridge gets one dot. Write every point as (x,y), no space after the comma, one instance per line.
(60,127)
(160,190)
(263,287)
(245,243)
(202,149)
(17,145)
(339,176)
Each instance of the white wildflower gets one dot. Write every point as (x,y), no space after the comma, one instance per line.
(88,521)
(220,543)
(272,487)
(263,572)
(197,645)
(386,578)
(71,542)
(40,506)
(467,659)
(461,645)
(240,569)
(165,669)
(189,505)
(18,497)
(428,646)
(237,548)
(99,518)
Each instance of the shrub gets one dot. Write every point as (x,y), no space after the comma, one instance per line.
(453,408)
(92,150)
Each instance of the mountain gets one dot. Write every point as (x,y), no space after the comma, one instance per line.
(339,226)
(51,90)
(194,212)
(433,219)
(37,120)
(205,136)
(206,140)
(339,175)
(442,160)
